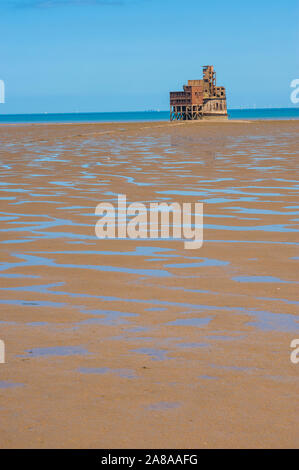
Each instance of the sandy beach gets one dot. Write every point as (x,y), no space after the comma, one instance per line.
(142,343)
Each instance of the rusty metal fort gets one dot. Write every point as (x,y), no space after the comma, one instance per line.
(201,99)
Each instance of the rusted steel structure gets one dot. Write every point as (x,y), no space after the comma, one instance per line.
(200,99)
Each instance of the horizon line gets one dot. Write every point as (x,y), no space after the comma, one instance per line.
(141,111)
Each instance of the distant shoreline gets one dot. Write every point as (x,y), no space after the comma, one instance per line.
(142,116)
(113,125)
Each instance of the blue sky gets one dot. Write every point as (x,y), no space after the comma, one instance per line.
(126,55)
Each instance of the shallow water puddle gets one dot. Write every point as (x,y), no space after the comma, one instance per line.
(126,373)
(163,406)
(5,384)
(260,279)
(190,322)
(153,353)
(57,351)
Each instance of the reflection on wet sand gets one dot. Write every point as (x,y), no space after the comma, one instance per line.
(202,332)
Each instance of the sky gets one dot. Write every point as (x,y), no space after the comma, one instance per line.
(126,55)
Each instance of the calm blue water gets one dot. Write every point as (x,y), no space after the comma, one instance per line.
(273,113)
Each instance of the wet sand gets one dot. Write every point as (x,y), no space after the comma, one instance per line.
(141,343)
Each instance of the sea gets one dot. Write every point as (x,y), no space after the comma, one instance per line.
(137,116)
